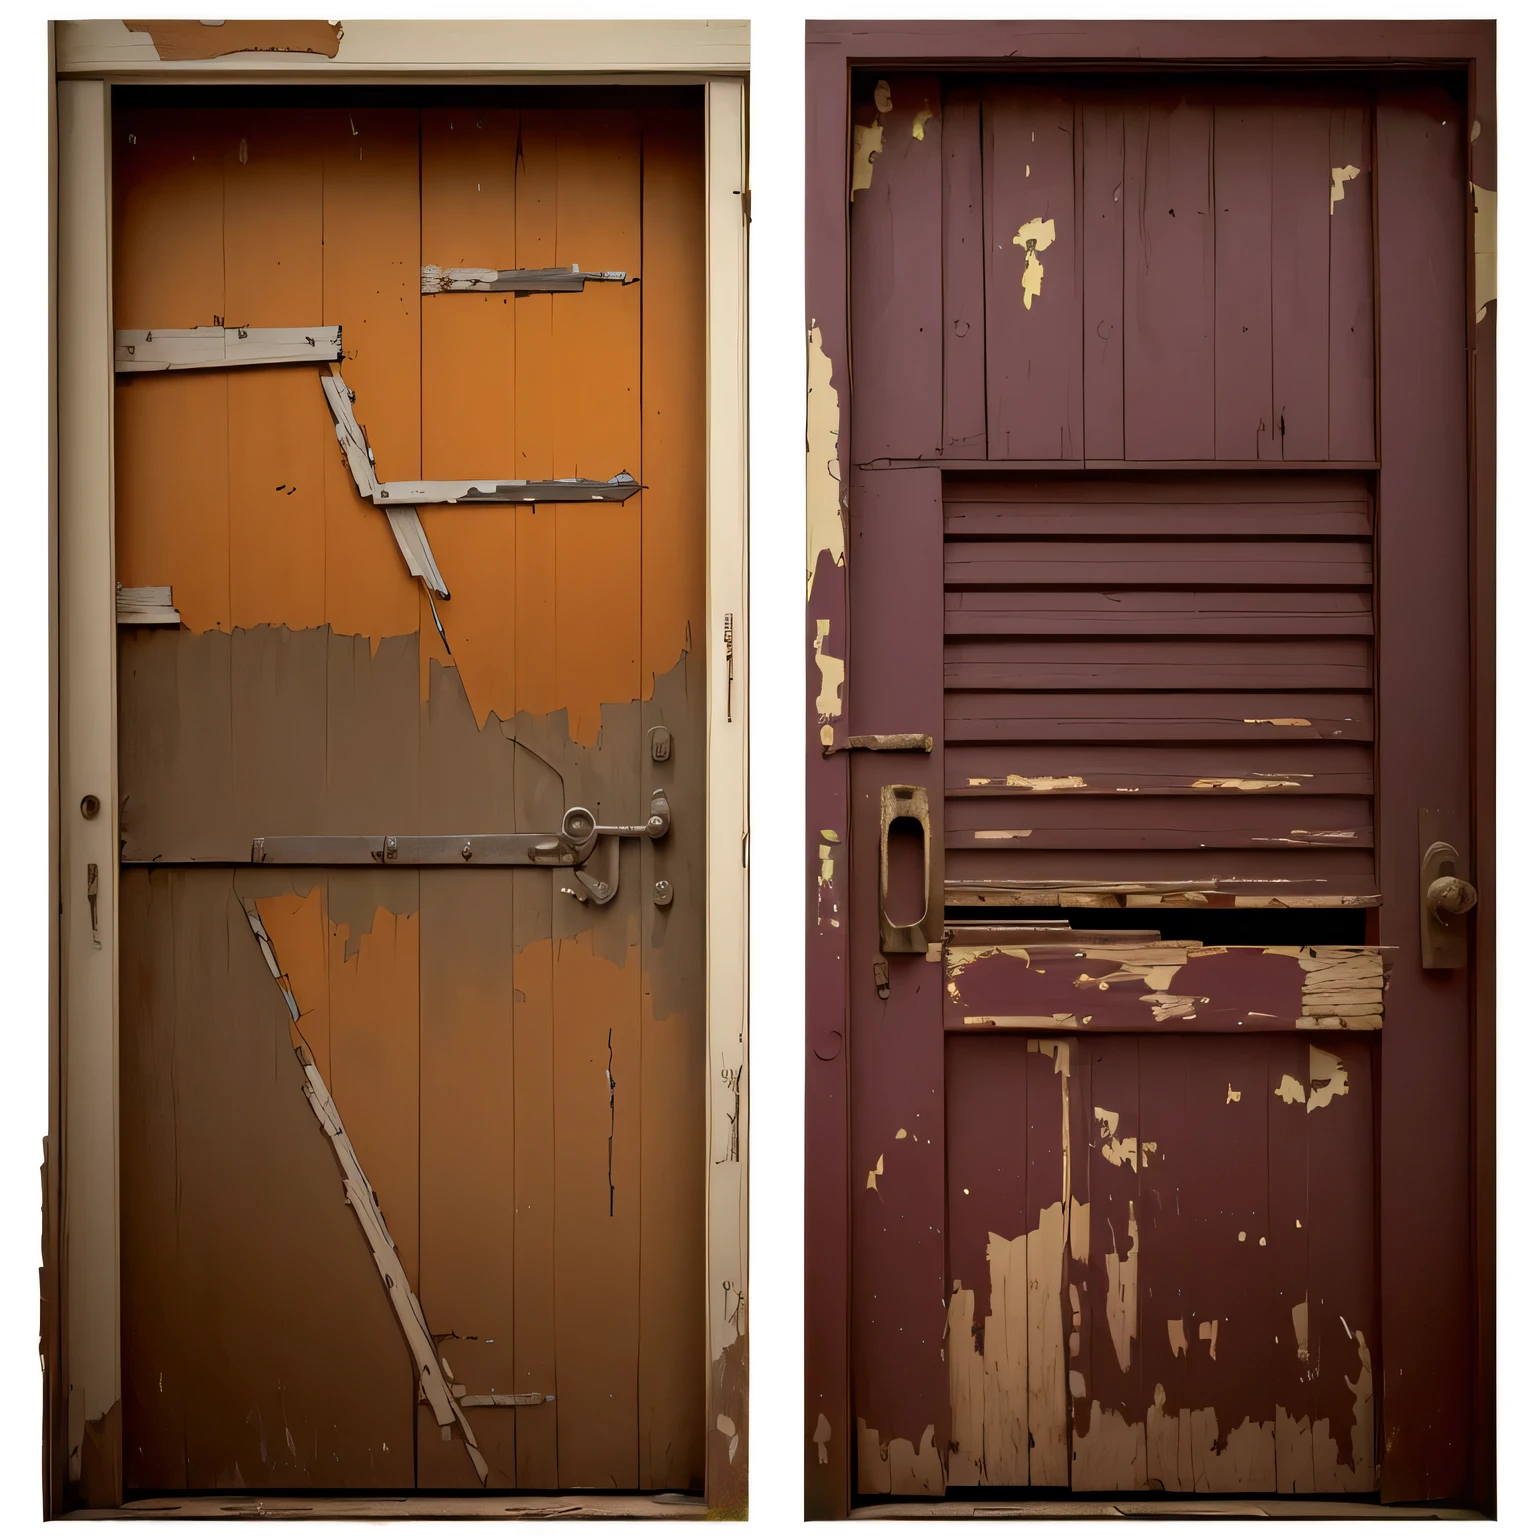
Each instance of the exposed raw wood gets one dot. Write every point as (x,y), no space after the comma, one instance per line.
(1171,893)
(177,40)
(217,346)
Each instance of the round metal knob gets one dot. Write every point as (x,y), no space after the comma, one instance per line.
(1449,897)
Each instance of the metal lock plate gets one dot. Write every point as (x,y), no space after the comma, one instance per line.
(661,744)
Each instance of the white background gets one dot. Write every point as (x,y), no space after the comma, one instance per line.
(777,702)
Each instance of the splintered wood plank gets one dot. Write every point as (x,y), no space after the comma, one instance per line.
(374,971)
(672,1427)
(965,265)
(308,1383)
(468,1158)
(171,452)
(1034,280)
(1300,234)
(1351,287)
(595,382)
(1103,156)
(153,1342)
(279,431)
(1169,280)
(1110,1447)
(896,240)
(469,390)
(1243,153)
(986,1087)
(1343,1353)
(533,1174)
(1047,1197)
(372,277)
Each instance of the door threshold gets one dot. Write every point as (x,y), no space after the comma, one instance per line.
(414,1506)
(1157,1509)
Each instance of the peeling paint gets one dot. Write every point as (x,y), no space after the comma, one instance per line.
(1340,174)
(1208,1333)
(1120,1298)
(899,1468)
(868,140)
(1178,1341)
(882,97)
(821,1437)
(1329,1079)
(1182,1455)
(1248,785)
(176,41)
(923,115)
(1485,248)
(1279,720)
(1291,1091)
(823,474)
(1234,1095)
(1035,236)
(877,1172)
(1040,784)
(1117,1152)
(1004,835)
(1112,1455)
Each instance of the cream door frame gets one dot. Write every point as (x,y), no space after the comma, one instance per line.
(81,1333)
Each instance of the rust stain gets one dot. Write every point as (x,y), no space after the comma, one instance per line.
(178,40)
(1036,236)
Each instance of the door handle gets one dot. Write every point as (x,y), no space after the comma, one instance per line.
(1445,898)
(899,802)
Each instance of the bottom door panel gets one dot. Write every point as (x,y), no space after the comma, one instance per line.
(1161,1262)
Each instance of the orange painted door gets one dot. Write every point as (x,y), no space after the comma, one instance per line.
(412,1173)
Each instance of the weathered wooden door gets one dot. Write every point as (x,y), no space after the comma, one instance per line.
(1157,714)
(412,1085)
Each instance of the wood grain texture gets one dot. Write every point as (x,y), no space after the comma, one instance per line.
(896,297)
(1034,349)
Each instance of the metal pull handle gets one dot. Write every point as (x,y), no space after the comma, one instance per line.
(1445,899)
(901,802)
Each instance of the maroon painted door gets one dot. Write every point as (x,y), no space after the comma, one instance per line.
(1158,530)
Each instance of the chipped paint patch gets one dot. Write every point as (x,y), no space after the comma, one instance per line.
(1208,1333)
(1178,1340)
(1234,1095)
(898,1467)
(1182,1455)
(1279,720)
(1116,1151)
(1485,248)
(1329,1079)
(823,474)
(1041,784)
(1036,236)
(882,97)
(829,702)
(876,1173)
(1003,836)
(177,41)
(868,140)
(1248,786)
(1112,1455)
(1120,1298)
(1290,1091)
(1340,174)
(923,115)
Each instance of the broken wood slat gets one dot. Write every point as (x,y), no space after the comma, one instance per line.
(1181,564)
(1171,986)
(217,346)
(1041,666)
(514,280)
(1080,614)
(1144,821)
(146,605)
(983,717)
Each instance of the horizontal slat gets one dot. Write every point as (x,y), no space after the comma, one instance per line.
(1205,563)
(1340,611)
(983,717)
(1107,896)
(1169,987)
(1292,665)
(1136,821)
(1282,768)
(214,346)
(1258,869)
(1211,487)
(1166,520)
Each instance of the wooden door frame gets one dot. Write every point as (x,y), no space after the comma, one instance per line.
(81,1323)
(833,50)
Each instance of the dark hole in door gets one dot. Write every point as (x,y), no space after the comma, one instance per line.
(906,888)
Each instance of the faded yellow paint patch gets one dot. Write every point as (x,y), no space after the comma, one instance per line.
(825,852)
(1341,174)
(1004,835)
(868,140)
(823,474)
(1120,1297)
(1248,786)
(1042,783)
(876,1173)
(1279,720)
(1290,1091)
(1329,1079)
(899,1468)
(829,701)
(882,97)
(1112,1455)
(1172,1005)
(922,116)
(1116,1151)
(1234,1095)
(1036,236)
(1485,248)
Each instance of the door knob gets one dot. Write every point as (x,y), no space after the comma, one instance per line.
(1449,897)
(1445,898)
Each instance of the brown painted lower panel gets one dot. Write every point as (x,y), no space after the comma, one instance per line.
(1159,1509)
(660,1506)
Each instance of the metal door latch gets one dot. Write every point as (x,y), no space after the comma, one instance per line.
(1445,898)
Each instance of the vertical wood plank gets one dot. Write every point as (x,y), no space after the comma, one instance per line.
(279,430)
(372,212)
(170,459)
(1288,1233)
(1423,636)
(672,1427)
(1103,277)
(1047,1204)
(896,282)
(1351,286)
(1242,154)
(1034,278)
(1300,236)
(965,266)
(468,1162)
(900,1384)
(1170,254)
